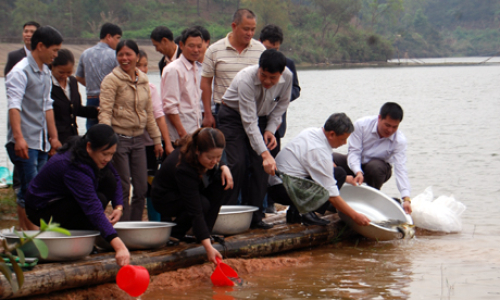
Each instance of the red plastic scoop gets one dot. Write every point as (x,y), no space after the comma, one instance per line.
(133,279)
(224,275)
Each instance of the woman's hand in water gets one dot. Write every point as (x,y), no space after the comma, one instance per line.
(212,253)
(227,177)
(122,255)
(115,215)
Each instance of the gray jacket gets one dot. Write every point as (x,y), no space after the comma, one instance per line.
(28,90)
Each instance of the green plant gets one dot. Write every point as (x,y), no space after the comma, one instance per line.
(24,239)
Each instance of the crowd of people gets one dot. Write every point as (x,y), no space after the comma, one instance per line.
(214,124)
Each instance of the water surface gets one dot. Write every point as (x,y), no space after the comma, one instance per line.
(452,125)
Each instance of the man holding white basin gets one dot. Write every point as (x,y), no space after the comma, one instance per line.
(309,155)
(376,144)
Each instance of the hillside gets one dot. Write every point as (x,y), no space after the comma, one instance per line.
(316,31)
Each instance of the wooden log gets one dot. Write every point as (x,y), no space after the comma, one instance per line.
(102,268)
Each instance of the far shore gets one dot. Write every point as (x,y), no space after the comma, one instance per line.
(154,57)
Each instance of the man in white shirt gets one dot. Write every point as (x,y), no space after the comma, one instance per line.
(250,113)
(309,155)
(376,144)
(180,87)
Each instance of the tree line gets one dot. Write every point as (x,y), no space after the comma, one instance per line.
(316,31)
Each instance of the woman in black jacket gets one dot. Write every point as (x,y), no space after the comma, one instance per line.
(190,185)
(67,101)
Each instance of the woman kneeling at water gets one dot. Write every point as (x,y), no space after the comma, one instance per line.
(75,186)
(190,185)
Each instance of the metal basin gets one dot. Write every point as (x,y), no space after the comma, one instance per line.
(140,235)
(61,247)
(234,219)
(378,208)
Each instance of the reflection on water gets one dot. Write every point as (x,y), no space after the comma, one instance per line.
(452,124)
(431,266)
(348,270)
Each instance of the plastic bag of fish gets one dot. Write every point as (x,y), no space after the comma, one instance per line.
(442,214)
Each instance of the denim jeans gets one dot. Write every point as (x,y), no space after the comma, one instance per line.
(26,168)
(92,102)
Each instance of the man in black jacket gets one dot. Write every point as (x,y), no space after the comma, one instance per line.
(15,56)
(163,40)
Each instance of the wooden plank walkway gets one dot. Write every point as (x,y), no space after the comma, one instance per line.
(101,268)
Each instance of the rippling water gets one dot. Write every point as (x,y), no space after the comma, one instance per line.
(452,124)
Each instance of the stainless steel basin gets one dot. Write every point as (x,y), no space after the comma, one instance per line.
(378,208)
(234,219)
(61,247)
(141,235)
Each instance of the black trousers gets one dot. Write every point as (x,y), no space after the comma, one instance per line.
(279,194)
(376,171)
(246,165)
(68,212)
(172,205)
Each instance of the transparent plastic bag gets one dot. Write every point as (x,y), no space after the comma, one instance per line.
(441,214)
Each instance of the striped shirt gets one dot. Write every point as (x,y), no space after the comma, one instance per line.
(222,62)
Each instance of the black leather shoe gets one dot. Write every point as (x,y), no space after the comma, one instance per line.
(312,219)
(315,216)
(261,225)
(292,216)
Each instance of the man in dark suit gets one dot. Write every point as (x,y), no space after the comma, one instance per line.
(163,40)
(15,56)
(271,36)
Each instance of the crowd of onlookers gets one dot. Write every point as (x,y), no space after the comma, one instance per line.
(208,135)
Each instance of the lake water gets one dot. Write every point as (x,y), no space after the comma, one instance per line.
(452,125)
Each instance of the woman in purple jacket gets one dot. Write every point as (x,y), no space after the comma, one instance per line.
(75,186)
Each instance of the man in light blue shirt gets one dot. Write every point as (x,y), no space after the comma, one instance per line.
(97,62)
(31,127)
(376,144)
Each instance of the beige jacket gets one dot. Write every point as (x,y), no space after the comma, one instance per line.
(126,105)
